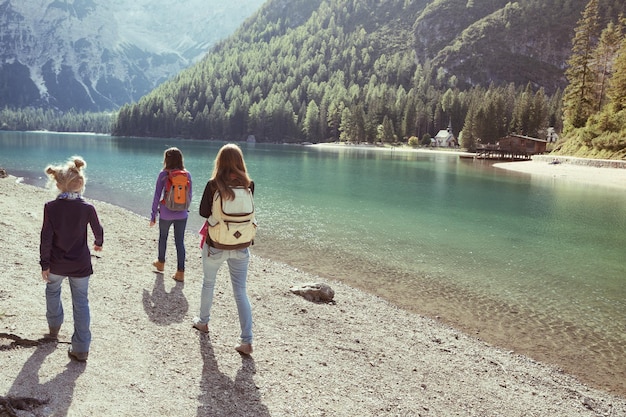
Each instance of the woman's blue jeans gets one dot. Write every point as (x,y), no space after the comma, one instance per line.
(179,240)
(81,339)
(237,261)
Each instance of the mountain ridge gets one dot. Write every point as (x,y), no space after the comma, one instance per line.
(361,70)
(92,55)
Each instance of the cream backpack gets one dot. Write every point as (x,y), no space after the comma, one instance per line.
(232,222)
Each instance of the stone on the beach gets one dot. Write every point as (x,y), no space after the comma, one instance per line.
(316,292)
(3,173)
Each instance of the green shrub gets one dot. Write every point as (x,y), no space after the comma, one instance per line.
(610,141)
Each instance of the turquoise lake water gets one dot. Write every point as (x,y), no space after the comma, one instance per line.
(535,266)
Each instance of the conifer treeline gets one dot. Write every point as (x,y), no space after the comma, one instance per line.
(331,79)
(322,75)
(30,118)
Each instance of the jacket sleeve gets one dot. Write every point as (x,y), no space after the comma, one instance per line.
(158,193)
(206,204)
(96,227)
(45,244)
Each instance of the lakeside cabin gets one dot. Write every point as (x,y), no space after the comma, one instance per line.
(512,147)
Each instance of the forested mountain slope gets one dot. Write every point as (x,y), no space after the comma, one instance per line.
(366,70)
(503,41)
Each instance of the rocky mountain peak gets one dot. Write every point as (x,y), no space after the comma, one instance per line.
(95,55)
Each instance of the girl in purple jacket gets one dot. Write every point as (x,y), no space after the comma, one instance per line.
(64,252)
(172,160)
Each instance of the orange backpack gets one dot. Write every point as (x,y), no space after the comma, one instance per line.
(177,190)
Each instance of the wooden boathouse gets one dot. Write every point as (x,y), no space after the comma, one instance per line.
(512,148)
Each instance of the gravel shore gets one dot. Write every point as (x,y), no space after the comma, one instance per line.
(357,356)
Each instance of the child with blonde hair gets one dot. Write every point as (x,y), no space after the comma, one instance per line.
(64,252)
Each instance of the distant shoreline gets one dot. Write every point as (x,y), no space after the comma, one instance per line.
(578,170)
(568,172)
(403,148)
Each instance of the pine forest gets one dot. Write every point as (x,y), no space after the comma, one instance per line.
(398,71)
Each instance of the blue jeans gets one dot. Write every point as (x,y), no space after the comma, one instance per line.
(179,240)
(81,339)
(237,261)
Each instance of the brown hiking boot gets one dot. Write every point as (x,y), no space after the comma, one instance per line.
(179,276)
(77,356)
(53,333)
(202,327)
(244,348)
(160,266)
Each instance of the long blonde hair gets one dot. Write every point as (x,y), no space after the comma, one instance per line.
(229,170)
(70,177)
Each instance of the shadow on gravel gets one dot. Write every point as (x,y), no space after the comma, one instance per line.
(221,396)
(26,397)
(162,307)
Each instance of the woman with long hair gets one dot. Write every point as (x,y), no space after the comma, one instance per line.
(229,173)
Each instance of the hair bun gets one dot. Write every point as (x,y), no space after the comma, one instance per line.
(79,162)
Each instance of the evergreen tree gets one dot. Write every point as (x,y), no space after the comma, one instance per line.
(385,131)
(522,112)
(311,122)
(579,96)
(347,128)
(617,85)
(539,115)
(468,139)
(409,118)
(334,120)
(362,133)
(604,57)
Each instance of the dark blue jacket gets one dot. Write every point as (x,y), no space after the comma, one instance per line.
(63,246)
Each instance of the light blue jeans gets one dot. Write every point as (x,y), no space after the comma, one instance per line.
(237,261)
(81,339)
(179,240)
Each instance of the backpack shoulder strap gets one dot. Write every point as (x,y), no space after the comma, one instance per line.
(175,172)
